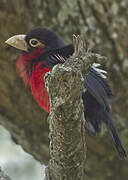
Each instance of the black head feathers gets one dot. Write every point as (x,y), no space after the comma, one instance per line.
(45,36)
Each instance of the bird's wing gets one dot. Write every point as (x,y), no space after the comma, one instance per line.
(97,85)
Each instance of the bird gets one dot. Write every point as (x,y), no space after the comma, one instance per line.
(42,49)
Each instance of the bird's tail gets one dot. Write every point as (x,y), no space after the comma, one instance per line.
(115,137)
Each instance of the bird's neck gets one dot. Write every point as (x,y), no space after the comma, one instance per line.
(32,72)
(26,63)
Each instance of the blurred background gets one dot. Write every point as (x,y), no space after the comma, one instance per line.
(104,24)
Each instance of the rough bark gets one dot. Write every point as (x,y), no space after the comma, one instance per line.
(67,142)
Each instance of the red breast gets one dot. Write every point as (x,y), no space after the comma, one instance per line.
(38,86)
(36,80)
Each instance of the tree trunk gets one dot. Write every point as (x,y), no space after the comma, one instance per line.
(67,142)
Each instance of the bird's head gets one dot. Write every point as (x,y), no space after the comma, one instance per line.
(38,38)
(33,45)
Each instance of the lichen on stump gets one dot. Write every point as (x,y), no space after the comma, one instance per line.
(67,135)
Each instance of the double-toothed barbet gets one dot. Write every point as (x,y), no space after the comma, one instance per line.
(41,50)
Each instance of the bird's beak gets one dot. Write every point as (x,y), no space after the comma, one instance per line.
(18,41)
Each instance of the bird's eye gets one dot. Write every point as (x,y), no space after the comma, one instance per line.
(34,42)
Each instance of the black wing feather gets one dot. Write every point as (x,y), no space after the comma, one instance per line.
(96,89)
(103,82)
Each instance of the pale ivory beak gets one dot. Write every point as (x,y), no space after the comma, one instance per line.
(18,41)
